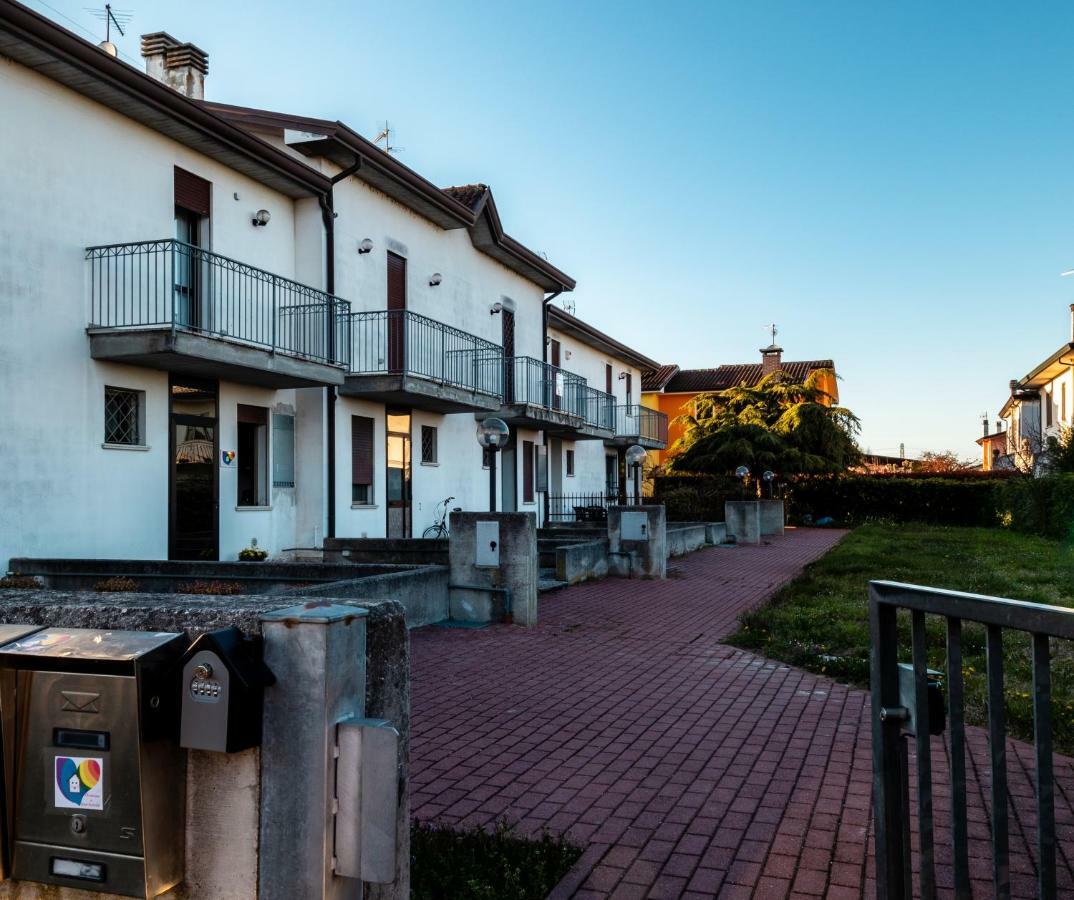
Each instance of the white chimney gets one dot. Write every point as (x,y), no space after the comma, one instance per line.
(1072,323)
(182,67)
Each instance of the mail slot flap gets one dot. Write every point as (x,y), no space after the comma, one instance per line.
(487,540)
(92,650)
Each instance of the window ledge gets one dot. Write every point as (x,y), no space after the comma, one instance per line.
(253,509)
(364,506)
(108,446)
(432,464)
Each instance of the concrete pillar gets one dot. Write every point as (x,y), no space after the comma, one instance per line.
(771,517)
(743,520)
(637,541)
(493,583)
(317,653)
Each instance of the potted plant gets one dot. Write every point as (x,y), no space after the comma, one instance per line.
(253,553)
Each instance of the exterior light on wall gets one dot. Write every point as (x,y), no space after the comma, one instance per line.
(365,245)
(435,279)
(566,354)
(495,308)
(622,376)
(261,218)
(635,456)
(492,435)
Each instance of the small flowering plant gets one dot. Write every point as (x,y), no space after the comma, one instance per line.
(253,553)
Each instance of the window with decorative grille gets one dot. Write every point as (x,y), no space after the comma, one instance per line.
(123,417)
(428,444)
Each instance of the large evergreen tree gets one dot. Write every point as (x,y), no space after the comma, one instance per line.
(788,426)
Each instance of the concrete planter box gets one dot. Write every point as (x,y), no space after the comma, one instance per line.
(743,520)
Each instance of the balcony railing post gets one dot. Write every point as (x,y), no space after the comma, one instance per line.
(275,315)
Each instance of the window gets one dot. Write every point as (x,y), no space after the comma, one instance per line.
(570,463)
(428,445)
(124,417)
(527,472)
(1063,400)
(253,455)
(1047,409)
(283,451)
(361,460)
(607,378)
(629,388)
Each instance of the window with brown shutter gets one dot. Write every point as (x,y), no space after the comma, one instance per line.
(607,379)
(527,471)
(361,460)
(192,193)
(629,388)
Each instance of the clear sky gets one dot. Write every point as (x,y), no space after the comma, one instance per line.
(890,183)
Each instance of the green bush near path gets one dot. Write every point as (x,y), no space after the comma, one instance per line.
(820,621)
(486,865)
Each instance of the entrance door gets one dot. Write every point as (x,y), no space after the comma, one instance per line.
(508,340)
(396,312)
(194,491)
(557,400)
(398,474)
(509,476)
(611,476)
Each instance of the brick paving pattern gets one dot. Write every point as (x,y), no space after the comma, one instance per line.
(685,767)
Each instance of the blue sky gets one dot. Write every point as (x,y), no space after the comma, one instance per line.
(891,184)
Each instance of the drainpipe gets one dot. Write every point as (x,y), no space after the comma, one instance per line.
(328,215)
(544,358)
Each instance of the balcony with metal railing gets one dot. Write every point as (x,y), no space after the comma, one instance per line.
(403,358)
(636,424)
(539,395)
(170,305)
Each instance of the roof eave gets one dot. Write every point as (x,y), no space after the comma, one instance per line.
(594,337)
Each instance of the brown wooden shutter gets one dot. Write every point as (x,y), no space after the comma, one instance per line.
(361,450)
(191,192)
(396,281)
(527,471)
(253,415)
(629,388)
(555,352)
(607,379)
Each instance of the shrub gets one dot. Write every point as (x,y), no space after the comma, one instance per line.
(20,582)
(695,498)
(253,554)
(210,588)
(1043,506)
(857,499)
(116,584)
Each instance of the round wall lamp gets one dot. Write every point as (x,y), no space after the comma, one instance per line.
(435,279)
(495,308)
(261,218)
(365,245)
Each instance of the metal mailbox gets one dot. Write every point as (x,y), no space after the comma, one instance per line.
(487,539)
(223,688)
(100,779)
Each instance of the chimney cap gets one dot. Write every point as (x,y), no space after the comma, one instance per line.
(175,53)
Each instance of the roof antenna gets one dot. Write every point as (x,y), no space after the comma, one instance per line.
(110,17)
(569,306)
(385,136)
(774,331)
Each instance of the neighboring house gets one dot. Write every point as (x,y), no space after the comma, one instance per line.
(995,453)
(224,324)
(671,389)
(597,467)
(1040,406)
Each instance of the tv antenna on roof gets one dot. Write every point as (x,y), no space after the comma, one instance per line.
(110,17)
(385,136)
(772,328)
(569,306)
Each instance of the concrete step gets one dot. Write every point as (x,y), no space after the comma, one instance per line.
(547,582)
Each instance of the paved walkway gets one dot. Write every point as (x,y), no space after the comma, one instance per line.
(687,768)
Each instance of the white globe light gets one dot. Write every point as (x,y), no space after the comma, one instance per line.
(493,432)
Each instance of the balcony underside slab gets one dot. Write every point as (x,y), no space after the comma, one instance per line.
(626,440)
(555,422)
(207,356)
(418,393)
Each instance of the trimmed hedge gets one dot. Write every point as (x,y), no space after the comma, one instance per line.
(1043,506)
(695,498)
(857,499)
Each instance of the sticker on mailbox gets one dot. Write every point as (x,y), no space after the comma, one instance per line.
(79,782)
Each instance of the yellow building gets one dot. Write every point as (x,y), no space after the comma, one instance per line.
(669,388)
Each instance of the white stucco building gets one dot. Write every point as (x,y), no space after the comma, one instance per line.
(223,325)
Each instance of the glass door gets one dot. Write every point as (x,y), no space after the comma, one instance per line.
(194,491)
(399,475)
(186,268)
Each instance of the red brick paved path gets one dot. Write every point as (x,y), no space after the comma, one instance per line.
(687,768)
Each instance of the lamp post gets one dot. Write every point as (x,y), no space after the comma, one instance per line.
(743,473)
(635,456)
(492,434)
(768,477)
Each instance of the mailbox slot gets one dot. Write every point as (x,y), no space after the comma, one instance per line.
(487,537)
(634,526)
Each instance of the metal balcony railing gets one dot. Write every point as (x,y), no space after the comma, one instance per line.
(168,283)
(905,700)
(633,420)
(406,343)
(531,381)
(599,409)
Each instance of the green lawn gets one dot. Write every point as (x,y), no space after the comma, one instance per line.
(820,621)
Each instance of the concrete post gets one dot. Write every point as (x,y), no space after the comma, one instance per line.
(317,653)
(743,520)
(489,581)
(771,517)
(637,541)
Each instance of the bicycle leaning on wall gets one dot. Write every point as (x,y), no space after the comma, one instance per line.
(439,528)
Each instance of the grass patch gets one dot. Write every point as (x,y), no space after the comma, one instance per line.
(820,621)
(486,865)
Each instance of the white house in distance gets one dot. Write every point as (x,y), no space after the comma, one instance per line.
(1040,406)
(224,325)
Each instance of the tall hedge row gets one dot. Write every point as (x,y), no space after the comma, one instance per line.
(1043,506)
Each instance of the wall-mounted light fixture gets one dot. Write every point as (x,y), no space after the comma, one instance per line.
(365,245)
(261,217)
(622,376)
(495,308)
(566,354)
(435,279)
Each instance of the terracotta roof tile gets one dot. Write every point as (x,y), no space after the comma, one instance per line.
(469,195)
(719,379)
(655,381)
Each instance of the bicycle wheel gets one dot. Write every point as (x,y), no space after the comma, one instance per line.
(439,530)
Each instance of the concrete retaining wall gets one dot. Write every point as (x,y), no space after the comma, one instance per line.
(223,791)
(582,561)
(743,518)
(397,551)
(422,592)
(517,571)
(683,539)
(772,517)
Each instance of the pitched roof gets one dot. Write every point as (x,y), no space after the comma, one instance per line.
(691,381)
(562,320)
(469,195)
(658,377)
